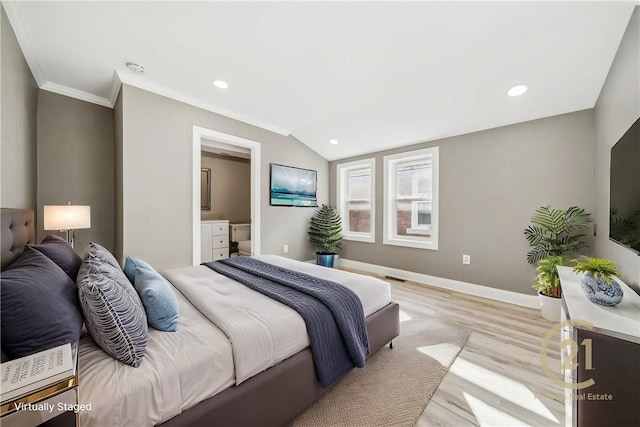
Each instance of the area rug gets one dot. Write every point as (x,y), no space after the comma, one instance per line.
(396,384)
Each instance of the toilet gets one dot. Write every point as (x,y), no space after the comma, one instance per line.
(241,234)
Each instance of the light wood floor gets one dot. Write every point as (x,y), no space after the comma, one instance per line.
(497,379)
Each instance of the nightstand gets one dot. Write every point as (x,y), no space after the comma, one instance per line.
(49,406)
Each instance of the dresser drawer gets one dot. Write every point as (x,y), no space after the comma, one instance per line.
(220,253)
(220,229)
(219,242)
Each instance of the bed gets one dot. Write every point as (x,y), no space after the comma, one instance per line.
(193,376)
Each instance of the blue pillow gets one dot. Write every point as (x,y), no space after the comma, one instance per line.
(130,267)
(40,308)
(158,299)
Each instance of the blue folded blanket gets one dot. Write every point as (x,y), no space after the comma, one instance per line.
(333,313)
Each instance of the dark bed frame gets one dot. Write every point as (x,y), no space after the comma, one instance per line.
(271,398)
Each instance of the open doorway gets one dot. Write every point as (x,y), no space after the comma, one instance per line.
(218,147)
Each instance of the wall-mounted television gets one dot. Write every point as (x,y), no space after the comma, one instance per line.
(624,203)
(291,186)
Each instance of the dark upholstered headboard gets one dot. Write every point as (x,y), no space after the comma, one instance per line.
(17,229)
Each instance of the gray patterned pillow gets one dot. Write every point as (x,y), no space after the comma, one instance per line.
(98,253)
(114,314)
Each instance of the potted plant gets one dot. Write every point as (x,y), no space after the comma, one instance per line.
(556,232)
(325,233)
(547,283)
(597,282)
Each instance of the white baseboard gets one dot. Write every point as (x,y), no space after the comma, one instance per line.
(530,301)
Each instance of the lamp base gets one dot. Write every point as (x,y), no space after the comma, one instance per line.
(70,237)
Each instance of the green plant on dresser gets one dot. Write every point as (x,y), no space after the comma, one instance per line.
(597,281)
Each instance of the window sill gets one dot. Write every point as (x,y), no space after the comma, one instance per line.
(417,244)
(367,238)
(424,231)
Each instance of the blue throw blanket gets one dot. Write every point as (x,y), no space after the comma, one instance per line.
(333,313)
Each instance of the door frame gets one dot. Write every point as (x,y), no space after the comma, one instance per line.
(200,137)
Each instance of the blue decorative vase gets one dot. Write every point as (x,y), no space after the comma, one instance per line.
(600,292)
(325,259)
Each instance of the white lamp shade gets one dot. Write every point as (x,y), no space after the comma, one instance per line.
(67,217)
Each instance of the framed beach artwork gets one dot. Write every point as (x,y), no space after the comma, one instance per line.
(292,186)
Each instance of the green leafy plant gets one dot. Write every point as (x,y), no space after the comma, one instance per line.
(598,267)
(325,231)
(548,280)
(555,232)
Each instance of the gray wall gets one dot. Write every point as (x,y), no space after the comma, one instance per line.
(230,188)
(618,107)
(157,180)
(17,122)
(76,163)
(490,184)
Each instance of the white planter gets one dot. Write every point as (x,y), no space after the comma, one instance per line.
(550,308)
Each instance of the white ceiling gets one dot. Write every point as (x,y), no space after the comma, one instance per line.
(371,75)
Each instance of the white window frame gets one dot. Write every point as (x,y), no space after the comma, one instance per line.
(342,171)
(390,236)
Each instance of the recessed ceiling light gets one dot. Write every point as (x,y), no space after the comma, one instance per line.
(220,84)
(517,90)
(333,141)
(136,68)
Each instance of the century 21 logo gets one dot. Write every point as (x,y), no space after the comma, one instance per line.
(568,362)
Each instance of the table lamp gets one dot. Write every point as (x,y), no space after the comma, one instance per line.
(67,218)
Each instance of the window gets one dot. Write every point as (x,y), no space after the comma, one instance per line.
(356,199)
(411,199)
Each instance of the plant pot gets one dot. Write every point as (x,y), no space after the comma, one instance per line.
(600,292)
(325,259)
(550,308)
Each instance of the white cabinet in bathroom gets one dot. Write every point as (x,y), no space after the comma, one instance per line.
(214,240)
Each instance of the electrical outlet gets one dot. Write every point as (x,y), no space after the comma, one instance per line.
(466,259)
(285,249)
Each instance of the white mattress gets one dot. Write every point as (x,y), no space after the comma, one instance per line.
(227,333)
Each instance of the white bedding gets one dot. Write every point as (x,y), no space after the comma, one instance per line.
(250,333)
(179,370)
(264,332)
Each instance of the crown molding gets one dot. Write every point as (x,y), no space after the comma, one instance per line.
(77,94)
(24,40)
(186,99)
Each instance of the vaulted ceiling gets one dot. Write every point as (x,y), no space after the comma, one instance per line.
(372,75)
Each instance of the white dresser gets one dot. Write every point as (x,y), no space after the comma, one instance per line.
(602,378)
(214,240)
